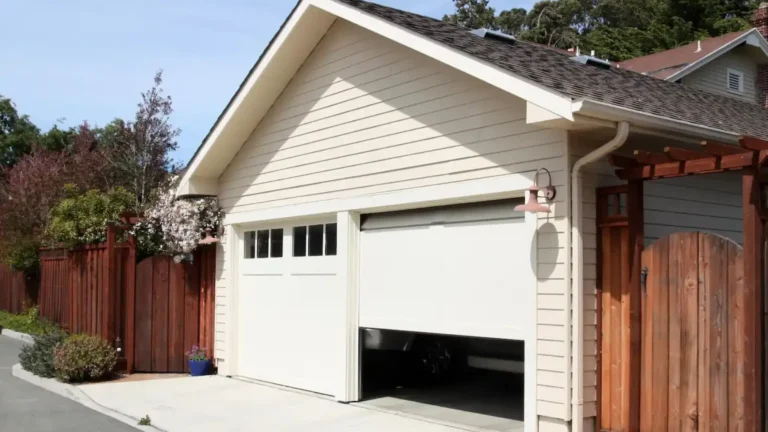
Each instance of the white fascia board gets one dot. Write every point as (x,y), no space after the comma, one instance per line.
(752,37)
(196,186)
(466,63)
(305,27)
(599,110)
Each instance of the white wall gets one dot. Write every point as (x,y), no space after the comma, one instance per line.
(365,117)
(712,77)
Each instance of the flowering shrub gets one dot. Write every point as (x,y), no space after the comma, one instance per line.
(84,358)
(197,354)
(176,226)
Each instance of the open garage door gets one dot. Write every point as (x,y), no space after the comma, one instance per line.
(461,270)
(290,306)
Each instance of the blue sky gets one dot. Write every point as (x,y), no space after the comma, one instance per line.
(75,60)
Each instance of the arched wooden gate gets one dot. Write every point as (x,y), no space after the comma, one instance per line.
(681,323)
(693,343)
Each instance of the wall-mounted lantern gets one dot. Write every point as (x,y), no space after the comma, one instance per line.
(209,238)
(533,204)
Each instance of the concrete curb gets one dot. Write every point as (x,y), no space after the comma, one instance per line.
(17,335)
(70,391)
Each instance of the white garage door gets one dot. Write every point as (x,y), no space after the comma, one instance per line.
(291,308)
(463,270)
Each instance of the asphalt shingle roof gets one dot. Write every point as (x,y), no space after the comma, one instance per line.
(553,69)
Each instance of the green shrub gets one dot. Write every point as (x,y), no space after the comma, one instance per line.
(29,322)
(22,255)
(84,358)
(82,219)
(38,358)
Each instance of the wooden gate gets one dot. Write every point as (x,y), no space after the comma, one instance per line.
(174,310)
(694,349)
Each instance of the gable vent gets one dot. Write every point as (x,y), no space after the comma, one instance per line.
(735,81)
(493,34)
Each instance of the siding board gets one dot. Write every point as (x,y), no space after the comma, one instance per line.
(370,117)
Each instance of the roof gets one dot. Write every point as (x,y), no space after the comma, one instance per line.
(664,64)
(555,70)
(544,76)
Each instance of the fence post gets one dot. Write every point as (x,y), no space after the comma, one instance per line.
(108,310)
(130,304)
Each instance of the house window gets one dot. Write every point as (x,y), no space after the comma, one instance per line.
(264,244)
(735,81)
(314,240)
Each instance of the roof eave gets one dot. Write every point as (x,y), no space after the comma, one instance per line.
(603,111)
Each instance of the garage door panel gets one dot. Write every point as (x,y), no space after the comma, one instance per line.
(290,319)
(469,278)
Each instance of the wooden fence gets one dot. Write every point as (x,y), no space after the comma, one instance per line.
(17,290)
(54,295)
(154,310)
(174,310)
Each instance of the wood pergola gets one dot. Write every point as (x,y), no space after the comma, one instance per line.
(711,157)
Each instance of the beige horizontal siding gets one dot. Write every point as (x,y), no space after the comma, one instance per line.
(712,77)
(365,116)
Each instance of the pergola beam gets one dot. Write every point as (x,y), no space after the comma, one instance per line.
(697,166)
(679,154)
(648,158)
(719,149)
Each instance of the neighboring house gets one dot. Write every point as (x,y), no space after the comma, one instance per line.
(369,166)
(735,64)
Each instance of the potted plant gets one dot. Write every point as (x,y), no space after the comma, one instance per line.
(199,363)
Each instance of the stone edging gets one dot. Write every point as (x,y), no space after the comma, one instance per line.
(16,335)
(70,391)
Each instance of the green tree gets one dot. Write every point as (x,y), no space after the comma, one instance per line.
(17,133)
(80,219)
(137,152)
(614,29)
(473,14)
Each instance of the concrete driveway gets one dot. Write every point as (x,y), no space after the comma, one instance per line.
(223,404)
(25,407)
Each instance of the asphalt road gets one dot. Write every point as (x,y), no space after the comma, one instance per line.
(24,407)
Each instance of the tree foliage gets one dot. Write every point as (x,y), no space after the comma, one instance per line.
(31,188)
(138,151)
(614,29)
(82,218)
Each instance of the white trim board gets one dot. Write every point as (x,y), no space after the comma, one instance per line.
(507,186)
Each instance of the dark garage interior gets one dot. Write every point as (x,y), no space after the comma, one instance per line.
(475,382)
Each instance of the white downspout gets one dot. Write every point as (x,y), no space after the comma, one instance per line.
(577,264)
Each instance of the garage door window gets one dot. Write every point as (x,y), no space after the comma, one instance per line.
(264,244)
(314,240)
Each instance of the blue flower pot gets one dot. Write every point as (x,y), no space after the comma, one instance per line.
(199,367)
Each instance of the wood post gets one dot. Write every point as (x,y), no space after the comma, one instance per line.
(130,304)
(753,331)
(631,305)
(108,290)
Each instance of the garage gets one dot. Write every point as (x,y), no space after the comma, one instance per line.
(290,308)
(444,294)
